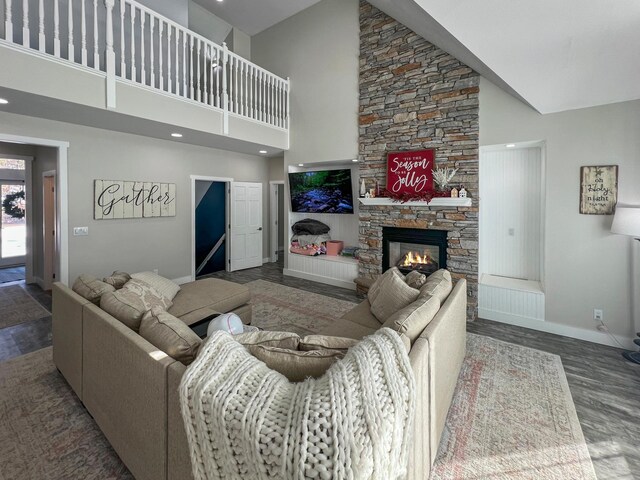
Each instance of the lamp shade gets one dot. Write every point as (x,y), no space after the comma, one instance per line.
(627,221)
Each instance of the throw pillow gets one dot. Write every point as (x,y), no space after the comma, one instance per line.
(393,295)
(91,288)
(326,342)
(293,364)
(413,319)
(170,334)
(132,301)
(164,286)
(374,289)
(117,279)
(287,340)
(415,279)
(438,284)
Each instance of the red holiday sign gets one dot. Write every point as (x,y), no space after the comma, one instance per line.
(410,172)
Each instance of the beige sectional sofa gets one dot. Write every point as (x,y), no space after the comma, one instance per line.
(131,388)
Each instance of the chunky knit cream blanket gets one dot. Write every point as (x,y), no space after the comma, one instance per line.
(246,421)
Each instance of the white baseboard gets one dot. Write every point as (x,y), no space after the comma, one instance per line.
(319,278)
(38,281)
(594,336)
(266,260)
(182,280)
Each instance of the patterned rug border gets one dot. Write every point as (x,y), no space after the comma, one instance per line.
(39,310)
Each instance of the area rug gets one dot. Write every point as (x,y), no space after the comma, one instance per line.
(13,274)
(45,432)
(17,306)
(512,418)
(278,307)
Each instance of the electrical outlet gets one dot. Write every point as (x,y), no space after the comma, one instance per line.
(80,231)
(155,270)
(598,315)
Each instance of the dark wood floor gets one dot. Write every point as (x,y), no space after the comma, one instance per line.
(605,388)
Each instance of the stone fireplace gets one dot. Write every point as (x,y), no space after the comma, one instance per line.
(414,96)
(414,249)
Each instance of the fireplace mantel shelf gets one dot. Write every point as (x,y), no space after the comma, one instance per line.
(435,202)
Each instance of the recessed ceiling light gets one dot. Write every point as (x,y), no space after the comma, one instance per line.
(263,151)
(3,101)
(354,160)
(301,164)
(510,145)
(176,135)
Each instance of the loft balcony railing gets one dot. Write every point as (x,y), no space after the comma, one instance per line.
(130,42)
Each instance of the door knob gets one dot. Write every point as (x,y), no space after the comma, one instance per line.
(260,229)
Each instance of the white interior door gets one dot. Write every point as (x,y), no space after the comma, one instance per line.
(246,226)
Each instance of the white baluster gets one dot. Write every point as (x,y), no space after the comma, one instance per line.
(169,77)
(191,82)
(198,57)
(243,90)
(133,43)
(56,28)
(249,89)
(110,57)
(235,84)
(71,51)
(277,95)
(83,31)
(255,93)
(160,56)
(143,60)
(185,91)
(259,90)
(123,62)
(288,101)
(176,71)
(218,84)
(96,50)
(41,37)
(26,40)
(225,95)
(8,21)
(152,23)
(205,85)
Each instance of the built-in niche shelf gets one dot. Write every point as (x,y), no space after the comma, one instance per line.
(435,202)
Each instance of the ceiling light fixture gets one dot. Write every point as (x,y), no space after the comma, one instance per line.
(176,135)
(263,151)
(301,164)
(3,101)
(510,145)
(354,160)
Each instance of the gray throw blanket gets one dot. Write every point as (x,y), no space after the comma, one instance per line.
(246,421)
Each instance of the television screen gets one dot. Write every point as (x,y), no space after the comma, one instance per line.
(326,191)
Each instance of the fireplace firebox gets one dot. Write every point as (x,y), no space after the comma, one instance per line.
(414,249)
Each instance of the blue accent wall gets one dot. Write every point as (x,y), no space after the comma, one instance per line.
(210,227)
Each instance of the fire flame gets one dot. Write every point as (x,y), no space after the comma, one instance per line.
(413,258)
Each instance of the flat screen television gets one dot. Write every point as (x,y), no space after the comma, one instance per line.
(324,191)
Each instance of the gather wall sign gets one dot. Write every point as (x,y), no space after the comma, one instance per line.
(117,199)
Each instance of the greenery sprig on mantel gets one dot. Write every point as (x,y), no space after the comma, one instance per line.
(405,197)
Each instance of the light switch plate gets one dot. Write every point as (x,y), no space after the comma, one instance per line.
(80,231)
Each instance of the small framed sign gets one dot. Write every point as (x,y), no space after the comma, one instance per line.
(410,172)
(598,189)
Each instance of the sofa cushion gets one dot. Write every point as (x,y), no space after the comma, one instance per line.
(393,294)
(293,364)
(348,329)
(167,288)
(415,279)
(361,314)
(117,279)
(326,342)
(438,284)
(170,334)
(413,319)
(132,301)
(90,288)
(208,297)
(288,340)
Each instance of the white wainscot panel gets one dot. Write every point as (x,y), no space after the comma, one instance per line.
(338,271)
(509,300)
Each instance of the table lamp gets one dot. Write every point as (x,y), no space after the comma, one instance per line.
(627,222)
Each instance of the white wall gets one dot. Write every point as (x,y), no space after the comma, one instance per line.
(586,266)
(137,244)
(276,169)
(319,50)
(45,160)
(205,23)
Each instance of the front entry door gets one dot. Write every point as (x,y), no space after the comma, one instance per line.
(246,226)
(13,235)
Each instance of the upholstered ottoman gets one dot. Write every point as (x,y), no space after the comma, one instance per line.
(204,299)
